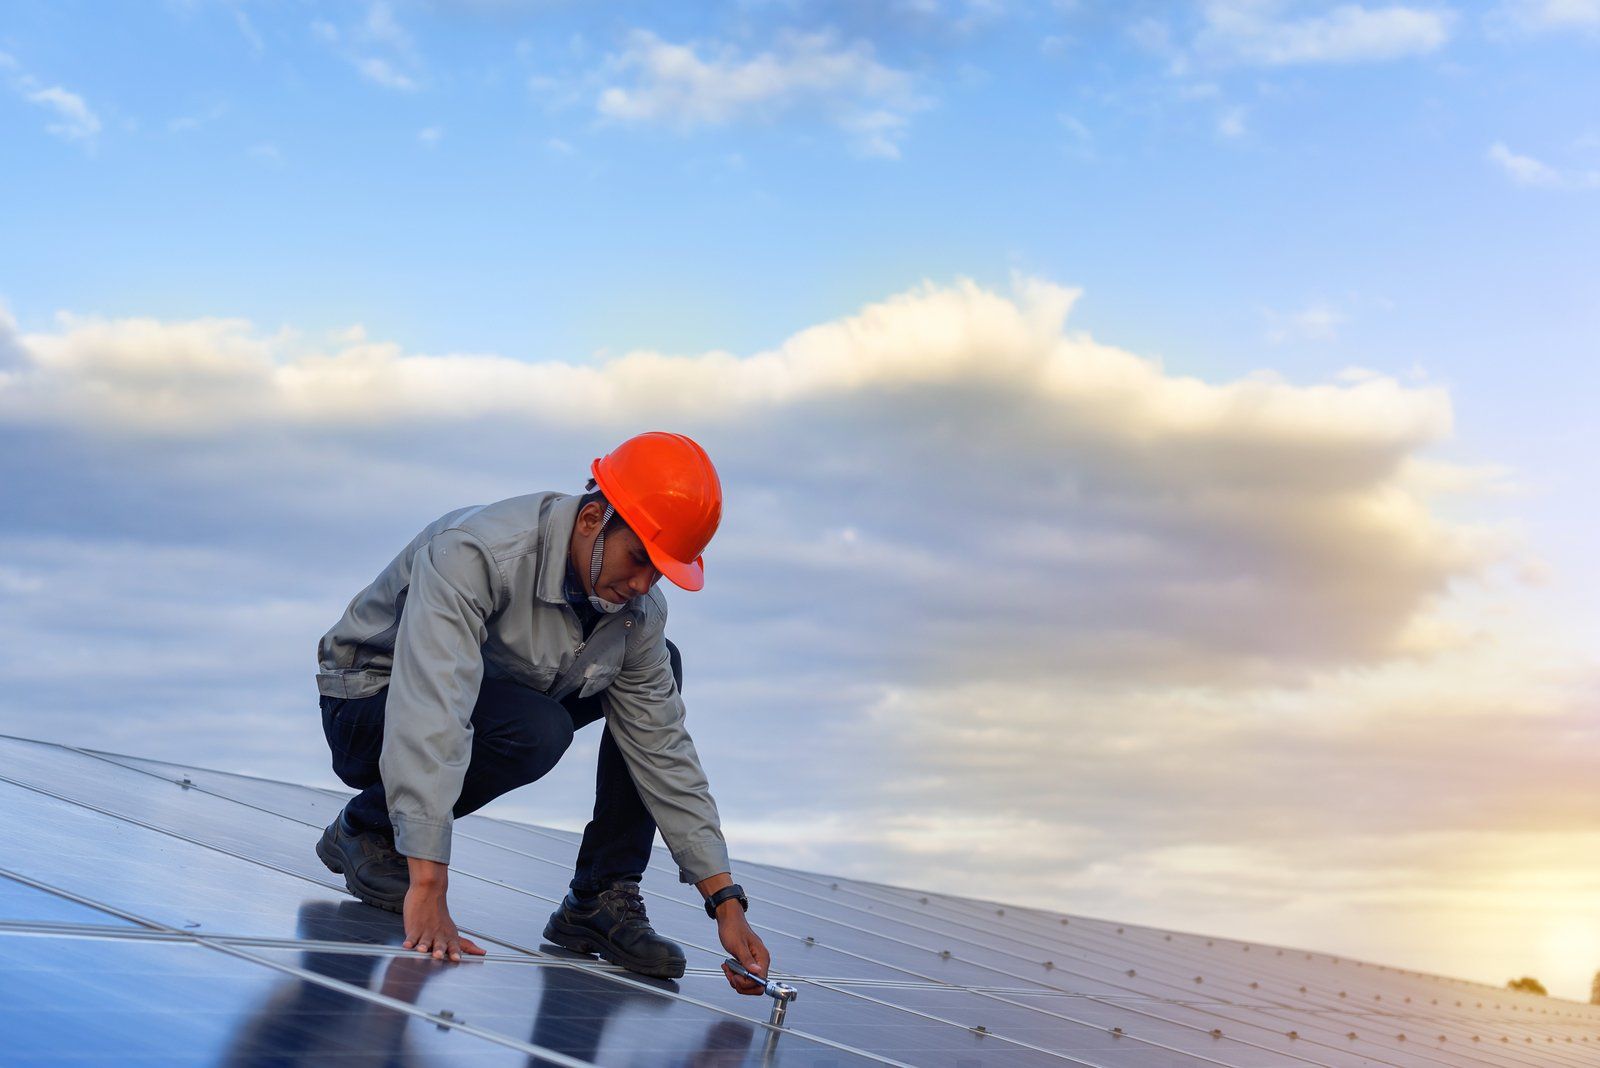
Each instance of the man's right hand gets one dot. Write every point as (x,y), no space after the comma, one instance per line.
(429,928)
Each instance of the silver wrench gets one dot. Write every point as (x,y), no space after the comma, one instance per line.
(780,993)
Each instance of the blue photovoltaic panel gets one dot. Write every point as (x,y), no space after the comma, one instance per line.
(221,939)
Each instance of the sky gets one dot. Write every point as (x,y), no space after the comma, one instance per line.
(1154,435)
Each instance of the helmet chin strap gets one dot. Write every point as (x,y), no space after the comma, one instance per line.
(597,554)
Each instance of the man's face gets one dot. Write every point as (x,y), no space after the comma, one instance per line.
(625,568)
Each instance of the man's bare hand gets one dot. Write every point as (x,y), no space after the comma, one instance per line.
(429,928)
(743,945)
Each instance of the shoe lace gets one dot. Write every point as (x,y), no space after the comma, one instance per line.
(625,898)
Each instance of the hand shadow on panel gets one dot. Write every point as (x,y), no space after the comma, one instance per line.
(306,1023)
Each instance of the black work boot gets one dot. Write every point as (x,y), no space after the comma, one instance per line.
(372,870)
(614,925)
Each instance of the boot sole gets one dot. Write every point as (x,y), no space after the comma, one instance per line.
(581,940)
(330,859)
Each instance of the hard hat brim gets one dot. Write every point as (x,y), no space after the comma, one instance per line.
(690,576)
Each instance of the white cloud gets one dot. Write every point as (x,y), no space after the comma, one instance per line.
(1317,321)
(378,47)
(1231,124)
(1026,595)
(689,85)
(1525,170)
(1270,33)
(1551,15)
(74,119)
(430,136)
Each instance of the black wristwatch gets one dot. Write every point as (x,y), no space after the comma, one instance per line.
(727,893)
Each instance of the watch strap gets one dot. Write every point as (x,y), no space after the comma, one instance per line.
(733,891)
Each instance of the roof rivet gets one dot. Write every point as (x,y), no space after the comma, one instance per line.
(185,783)
(1116,1030)
(982,1030)
(445,1015)
(944,954)
(1063,921)
(999,912)
(1401,1036)
(1302,990)
(1294,1034)
(1049,965)
(1343,994)
(1119,930)
(1216,1032)
(1169,938)
(1132,973)
(1209,942)
(1198,979)
(923,900)
(811,940)
(1350,1035)
(1443,1039)
(835,886)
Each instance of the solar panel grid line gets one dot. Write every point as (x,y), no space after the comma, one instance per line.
(815,878)
(188,936)
(1230,1015)
(473,874)
(512,888)
(18,877)
(1280,1057)
(172,934)
(1086,925)
(484,935)
(1085,928)
(293,873)
(1232,1035)
(478,875)
(1429,1059)
(1270,963)
(1001,1036)
(1051,919)
(397,1005)
(1097,998)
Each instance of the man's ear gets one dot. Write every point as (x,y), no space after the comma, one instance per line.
(589,518)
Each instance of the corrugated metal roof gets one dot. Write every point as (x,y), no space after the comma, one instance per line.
(174,915)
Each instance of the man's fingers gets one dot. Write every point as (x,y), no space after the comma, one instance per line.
(472,947)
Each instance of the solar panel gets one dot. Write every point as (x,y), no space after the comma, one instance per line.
(152,912)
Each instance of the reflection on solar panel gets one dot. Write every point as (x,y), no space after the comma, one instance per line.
(151,913)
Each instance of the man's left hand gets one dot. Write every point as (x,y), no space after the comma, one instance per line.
(743,945)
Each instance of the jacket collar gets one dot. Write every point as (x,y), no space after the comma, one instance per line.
(555,538)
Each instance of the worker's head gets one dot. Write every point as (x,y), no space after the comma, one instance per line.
(666,494)
(610,558)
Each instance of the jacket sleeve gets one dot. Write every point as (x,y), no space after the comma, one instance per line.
(645,714)
(438,666)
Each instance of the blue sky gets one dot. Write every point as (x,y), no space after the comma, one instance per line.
(1097,386)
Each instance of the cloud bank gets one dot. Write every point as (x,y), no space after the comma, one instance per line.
(1033,607)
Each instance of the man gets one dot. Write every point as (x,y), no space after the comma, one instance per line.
(463,669)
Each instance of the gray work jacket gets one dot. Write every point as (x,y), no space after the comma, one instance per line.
(480,591)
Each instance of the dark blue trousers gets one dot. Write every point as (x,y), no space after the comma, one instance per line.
(518,734)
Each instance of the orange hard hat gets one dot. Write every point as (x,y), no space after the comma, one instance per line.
(664,487)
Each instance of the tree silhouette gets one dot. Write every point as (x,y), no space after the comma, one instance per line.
(1529,985)
(1594,990)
